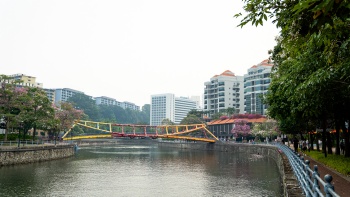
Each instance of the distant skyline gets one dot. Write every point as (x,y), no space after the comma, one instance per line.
(129,50)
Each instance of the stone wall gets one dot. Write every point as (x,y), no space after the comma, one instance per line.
(34,154)
(290,183)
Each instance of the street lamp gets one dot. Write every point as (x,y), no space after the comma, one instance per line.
(21,125)
(55,132)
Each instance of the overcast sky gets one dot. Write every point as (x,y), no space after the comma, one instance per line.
(128,49)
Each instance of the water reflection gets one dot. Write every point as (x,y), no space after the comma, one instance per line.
(132,170)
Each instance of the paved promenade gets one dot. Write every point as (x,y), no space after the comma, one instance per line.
(341,183)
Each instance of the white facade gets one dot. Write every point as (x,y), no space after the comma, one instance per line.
(62,95)
(103,100)
(167,106)
(197,99)
(224,91)
(162,107)
(256,83)
(129,105)
(183,105)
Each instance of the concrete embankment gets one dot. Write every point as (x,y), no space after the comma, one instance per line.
(30,154)
(291,187)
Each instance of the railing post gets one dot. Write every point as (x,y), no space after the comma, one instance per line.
(328,178)
(306,169)
(302,177)
(315,185)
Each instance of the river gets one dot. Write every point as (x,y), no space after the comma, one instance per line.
(144,170)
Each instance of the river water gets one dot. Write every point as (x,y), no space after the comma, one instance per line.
(144,170)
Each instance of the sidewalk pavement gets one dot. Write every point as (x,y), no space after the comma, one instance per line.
(340,182)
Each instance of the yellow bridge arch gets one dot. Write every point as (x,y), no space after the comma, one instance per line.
(193,132)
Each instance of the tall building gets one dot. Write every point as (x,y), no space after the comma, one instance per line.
(62,94)
(197,99)
(130,105)
(26,80)
(103,100)
(51,93)
(256,83)
(167,106)
(224,91)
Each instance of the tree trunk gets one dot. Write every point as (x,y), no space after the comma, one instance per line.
(329,143)
(34,131)
(324,130)
(347,145)
(7,129)
(337,134)
(311,141)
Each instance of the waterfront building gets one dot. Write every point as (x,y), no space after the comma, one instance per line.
(62,94)
(224,91)
(222,128)
(167,106)
(256,83)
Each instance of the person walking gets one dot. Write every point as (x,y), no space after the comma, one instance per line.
(295,143)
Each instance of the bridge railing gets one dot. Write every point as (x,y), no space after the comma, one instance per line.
(309,180)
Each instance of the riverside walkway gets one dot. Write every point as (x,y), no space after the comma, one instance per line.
(341,182)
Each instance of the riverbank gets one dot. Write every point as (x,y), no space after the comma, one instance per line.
(36,153)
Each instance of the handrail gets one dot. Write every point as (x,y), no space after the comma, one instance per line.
(309,179)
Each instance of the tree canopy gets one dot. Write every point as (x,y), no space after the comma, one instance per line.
(310,80)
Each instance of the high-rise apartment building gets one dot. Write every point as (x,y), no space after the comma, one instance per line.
(167,106)
(51,93)
(256,83)
(130,105)
(224,91)
(103,100)
(62,94)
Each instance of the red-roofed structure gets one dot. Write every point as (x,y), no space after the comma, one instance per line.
(222,128)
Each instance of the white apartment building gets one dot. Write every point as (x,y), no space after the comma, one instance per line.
(62,94)
(103,100)
(51,94)
(167,106)
(130,105)
(197,99)
(224,91)
(256,83)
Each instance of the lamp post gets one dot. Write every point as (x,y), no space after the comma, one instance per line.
(19,133)
(55,133)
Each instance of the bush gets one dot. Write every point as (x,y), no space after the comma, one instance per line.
(337,162)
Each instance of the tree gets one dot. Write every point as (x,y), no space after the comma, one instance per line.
(241,128)
(265,129)
(191,119)
(36,110)
(167,121)
(310,79)
(85,103)
(66,115)
(8,95)
(230,111)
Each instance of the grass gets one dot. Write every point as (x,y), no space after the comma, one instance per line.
(337,162)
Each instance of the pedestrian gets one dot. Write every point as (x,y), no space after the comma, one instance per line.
(295,143)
